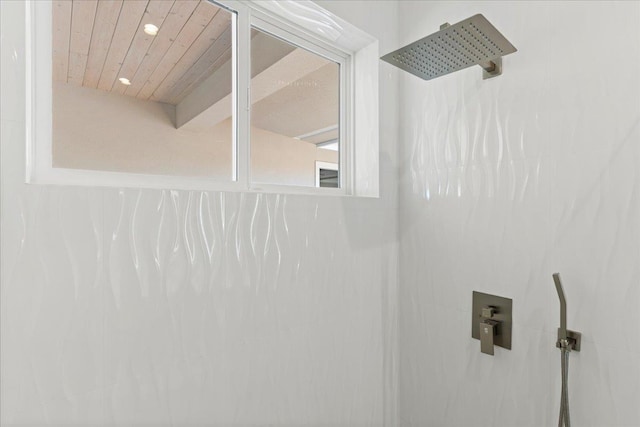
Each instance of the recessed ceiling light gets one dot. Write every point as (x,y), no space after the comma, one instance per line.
(150,29)
(124,81)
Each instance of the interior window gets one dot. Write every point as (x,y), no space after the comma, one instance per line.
(220,95)
(143,87)
(295,112)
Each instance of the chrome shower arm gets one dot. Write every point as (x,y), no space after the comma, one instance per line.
(562,332)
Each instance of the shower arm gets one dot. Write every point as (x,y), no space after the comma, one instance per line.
(567,339)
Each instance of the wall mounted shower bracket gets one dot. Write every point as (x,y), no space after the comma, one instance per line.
(567,341)
(491,68)
(574,339)
(571,339)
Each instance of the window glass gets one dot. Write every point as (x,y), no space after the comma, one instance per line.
(295,111)
(143,87)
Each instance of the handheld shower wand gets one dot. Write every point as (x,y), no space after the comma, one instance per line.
(567,341)
(562,332)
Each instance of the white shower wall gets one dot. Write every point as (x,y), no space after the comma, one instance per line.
(139,307)
(504,182)
(134,307)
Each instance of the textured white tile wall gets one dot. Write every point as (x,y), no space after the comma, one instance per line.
(127,307)
(503,183)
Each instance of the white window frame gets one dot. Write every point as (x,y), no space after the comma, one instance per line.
(301,23)
(262,22)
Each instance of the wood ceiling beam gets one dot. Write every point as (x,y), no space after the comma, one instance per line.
(277,65)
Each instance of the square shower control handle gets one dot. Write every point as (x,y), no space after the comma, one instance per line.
(491,321)
(488,330)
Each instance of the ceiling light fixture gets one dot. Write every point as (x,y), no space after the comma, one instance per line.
(150,29)
(124,81)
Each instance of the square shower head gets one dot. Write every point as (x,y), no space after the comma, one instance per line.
(473,41)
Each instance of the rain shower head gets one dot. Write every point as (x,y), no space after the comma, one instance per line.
(473,41)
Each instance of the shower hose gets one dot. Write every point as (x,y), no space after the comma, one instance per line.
(564,421)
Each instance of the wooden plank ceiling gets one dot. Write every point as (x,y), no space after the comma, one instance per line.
(97,42)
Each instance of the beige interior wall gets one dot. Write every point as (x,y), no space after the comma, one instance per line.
(99,130)
(276,159)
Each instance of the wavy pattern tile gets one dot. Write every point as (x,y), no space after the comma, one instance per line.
(179,308)
(126,307)
(507,181)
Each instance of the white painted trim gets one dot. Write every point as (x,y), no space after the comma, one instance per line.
(366,154)
(242,76)
(311,19)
